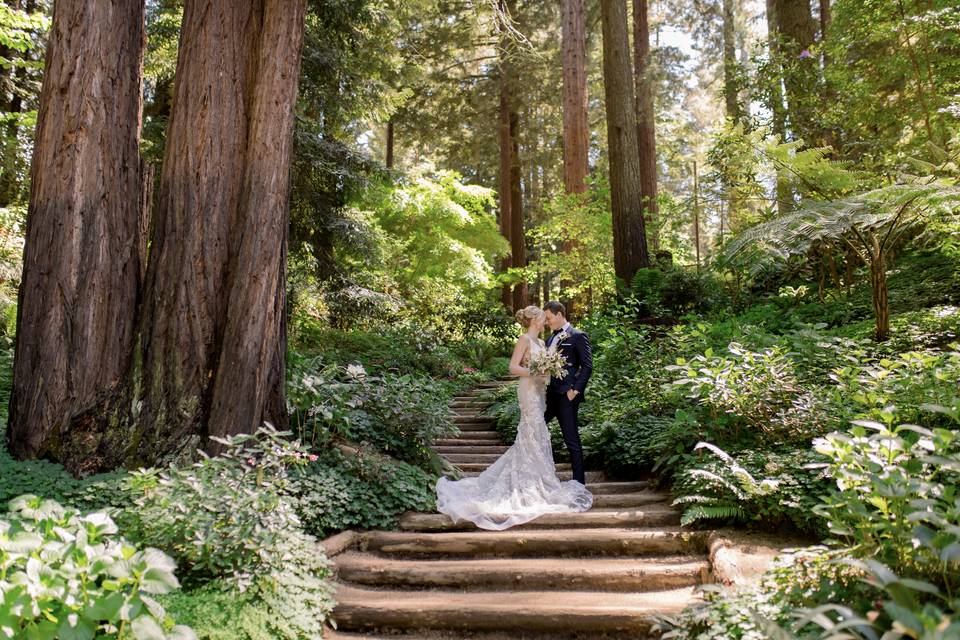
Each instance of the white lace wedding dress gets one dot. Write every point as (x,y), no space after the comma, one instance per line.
(522,484)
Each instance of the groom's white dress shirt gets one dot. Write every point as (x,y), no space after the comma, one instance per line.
(565,327)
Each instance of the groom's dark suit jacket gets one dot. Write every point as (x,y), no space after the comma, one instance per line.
(576,349)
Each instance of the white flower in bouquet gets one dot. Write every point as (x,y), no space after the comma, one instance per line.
(548,362)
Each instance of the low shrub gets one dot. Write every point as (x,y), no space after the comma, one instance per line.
(366,491)
(400,415)
(233,519)
(71,576)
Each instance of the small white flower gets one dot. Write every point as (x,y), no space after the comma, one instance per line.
(356,371)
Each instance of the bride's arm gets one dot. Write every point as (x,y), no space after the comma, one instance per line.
(518,351)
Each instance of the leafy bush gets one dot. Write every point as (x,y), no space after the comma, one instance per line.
(725,488)
(232,518)
(366,491)
(398,414)
(897,497)
(67,575)
(676,291)
(634,446)
(747,391)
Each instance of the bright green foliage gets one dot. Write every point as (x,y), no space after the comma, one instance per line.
(232,518)
(400,415)
(574,246)
(727,489)
(71,576)
(367,491)
(440,237)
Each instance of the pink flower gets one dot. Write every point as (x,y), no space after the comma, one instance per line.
(312,458)
(469,370)
(251,461)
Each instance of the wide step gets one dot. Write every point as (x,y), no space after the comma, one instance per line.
(606,574)
(514,543)
(560,611)
(655,516)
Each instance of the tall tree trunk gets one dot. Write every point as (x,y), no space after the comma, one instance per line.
(213,333)
(731,86)
(629,237)
(506,156)
(389,158)
(825,15)
(646,121)
(78,293)
(518,242)
(783,193)
(11,186)
(576,129)
(797,31)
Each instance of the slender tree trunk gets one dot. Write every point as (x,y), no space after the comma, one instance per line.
(881,304)
(11,168)
(78,293)
(696,212)
(518,240)
(797,31)
(783,193)
(629,236)
(506,156)
(646,121)
(213,332)
(731,89)
(825,16)
(576,128)
(389,159)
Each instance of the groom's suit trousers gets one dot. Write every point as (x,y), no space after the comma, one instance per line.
(565,411)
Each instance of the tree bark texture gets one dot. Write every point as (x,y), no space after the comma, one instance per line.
(629,238)
(518,241)
(784,193)
(797,31)
(81,265)
(506,159)
(576,129)
(213,334)
(389,158)
(731,89)
(646,120)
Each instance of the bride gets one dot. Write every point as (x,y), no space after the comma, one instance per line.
(522,484)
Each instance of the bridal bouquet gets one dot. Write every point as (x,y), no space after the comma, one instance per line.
(548,363)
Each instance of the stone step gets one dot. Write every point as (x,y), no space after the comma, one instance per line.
(526,543)
(468,442)
(477,467)
(628,500)
(654,515)
(602,574)
(560,611)
(461,459)
(563,473)
(473,420)
(478,434)
(474,426)
(605,488)
(470,448)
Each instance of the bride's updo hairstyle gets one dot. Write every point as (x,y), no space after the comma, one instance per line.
(528,314)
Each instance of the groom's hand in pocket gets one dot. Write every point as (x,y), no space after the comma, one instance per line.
(571,394)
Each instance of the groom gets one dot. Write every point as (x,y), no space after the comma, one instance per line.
(564,396)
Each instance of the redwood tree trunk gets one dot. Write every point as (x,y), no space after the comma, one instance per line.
(797,31)
(78,293)
(784,193)
(646,120)
(629,237)
(389,158)
(213,334)
(518,242)
(506,155)
(730,83)
(576,129)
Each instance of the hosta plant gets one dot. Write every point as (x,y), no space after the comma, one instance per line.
(70,576)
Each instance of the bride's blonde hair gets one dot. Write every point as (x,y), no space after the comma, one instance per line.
(528,314)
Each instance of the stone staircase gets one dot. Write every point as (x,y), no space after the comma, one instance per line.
(605,573)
